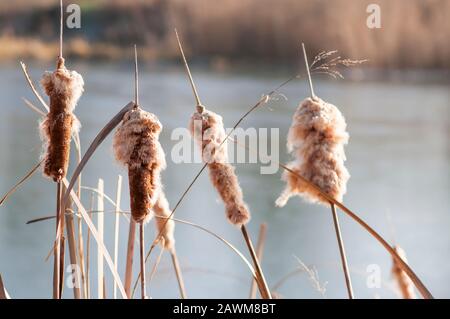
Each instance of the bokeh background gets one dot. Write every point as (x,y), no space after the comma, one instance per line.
(397,107)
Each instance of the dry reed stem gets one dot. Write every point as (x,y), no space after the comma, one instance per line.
(404,283)
(178,273)
(57,247)
(95,234)
(101,230)
(73,252)
(142,261)
(346,271)
(259,254)
(33,88)
(162,209)
(88,252)
(116,229)
(417,282)
(20,182)
(129,260)
(2,289)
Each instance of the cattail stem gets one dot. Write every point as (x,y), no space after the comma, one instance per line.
(130,255)
(142,259)
(136,78)
(337,228)
(73,252)
(200,107)
(259,253)
(61,28)
(307,71)
(262,284)
(333,209)
(177,268)
(57,251)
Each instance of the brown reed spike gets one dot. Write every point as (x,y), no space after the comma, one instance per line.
(317,137)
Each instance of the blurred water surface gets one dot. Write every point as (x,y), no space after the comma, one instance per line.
(398,156)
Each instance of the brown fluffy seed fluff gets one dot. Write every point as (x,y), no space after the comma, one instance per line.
(64,89)
(136,146)
(316,138)
(404,283)
(164,225)
(210,136)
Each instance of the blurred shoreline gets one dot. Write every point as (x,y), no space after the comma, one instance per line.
(233,32)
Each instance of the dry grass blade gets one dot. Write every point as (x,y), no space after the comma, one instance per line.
(259,254)
(417,282)
(33,107)
(94,145)
(116,229)
(97,238)
(23,179)
(30,83)
(2,289)
(100,228)
(223,240)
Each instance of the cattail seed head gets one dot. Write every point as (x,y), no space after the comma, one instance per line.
(136,146)
(164,225)
(316,138)
(208,130)
(404,283)
(64,89)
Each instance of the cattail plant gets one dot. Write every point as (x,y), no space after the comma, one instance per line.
(208,131)
(137,147)
(316,138)
(404,283)
(64,88)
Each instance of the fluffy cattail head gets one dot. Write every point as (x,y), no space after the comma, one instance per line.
(208,130)
(316,138)
(404,283)
(164,225)
(136,146)
(64,89)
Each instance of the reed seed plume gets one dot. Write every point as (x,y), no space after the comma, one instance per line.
(136,146)
(64,89)
(162,214)
(208,130)
(404,283)
(316,138)
(325,63)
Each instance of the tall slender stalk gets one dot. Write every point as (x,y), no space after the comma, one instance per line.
(142,259)
(100,227)
(337,229)
(177,268)
(116,229)
(73,252)
(259,254)
(57,249)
